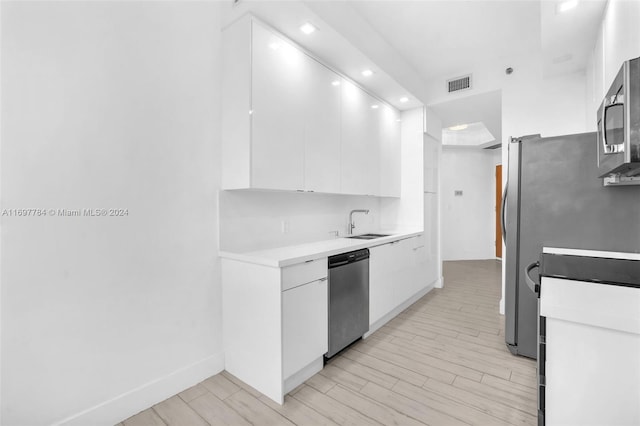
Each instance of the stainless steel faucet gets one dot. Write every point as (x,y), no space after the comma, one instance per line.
(351,225)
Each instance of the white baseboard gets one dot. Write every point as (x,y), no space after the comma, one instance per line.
(135,400)
(502,306)
(392,314)
(439,283)
(303,375)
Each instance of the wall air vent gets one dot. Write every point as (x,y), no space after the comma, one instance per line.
(459,83)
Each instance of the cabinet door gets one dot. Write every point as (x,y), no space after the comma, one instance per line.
(431,237)
(278,79)
(404,275)
(417,279)
(389,152)
(322,130)
(360,141)
(382,261)
(304,325)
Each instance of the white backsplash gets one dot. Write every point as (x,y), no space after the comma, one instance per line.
(255,220)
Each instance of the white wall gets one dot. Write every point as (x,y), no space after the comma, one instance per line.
(468,221)
(108,105)
(618,40)
(253,220)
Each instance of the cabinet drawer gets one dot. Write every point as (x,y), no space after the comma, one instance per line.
(302,273)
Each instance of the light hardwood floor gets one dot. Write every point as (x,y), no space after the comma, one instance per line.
(442,361)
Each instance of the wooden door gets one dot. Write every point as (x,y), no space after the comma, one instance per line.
(498,211)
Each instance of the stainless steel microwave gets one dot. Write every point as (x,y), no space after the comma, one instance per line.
(619,128)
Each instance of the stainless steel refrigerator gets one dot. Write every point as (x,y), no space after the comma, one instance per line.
(554,198)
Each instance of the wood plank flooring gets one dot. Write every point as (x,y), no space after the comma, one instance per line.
(442,361)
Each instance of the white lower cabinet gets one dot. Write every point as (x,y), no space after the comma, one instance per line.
(380,275)
(592,353)
(394,275)
(304,326)
(274,323)
(275,319)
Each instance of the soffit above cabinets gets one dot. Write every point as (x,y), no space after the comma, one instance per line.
(327,45)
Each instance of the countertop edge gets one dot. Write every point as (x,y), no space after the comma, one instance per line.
(279,262)
(591,253)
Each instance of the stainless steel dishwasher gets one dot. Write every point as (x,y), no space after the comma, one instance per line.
(348,299)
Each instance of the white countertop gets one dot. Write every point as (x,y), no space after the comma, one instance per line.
(290,255)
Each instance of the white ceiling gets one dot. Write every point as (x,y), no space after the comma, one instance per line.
(443,37)
(568,38)
(440,38)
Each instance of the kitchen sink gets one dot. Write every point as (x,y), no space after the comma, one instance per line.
(368,236)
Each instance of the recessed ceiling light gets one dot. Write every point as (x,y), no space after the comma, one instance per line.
(274,45)
(335,83)
(374,106)
(566,5)
(458,127)
(404,99)
(367,73)
(307,28)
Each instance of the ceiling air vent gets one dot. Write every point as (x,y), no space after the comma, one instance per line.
(459,83)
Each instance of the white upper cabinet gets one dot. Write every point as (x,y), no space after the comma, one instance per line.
(360,141)
(322,129)
(291,123)
(389,122)
(278,81)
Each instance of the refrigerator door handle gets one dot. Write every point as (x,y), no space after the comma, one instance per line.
(503,211)
(534,286)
